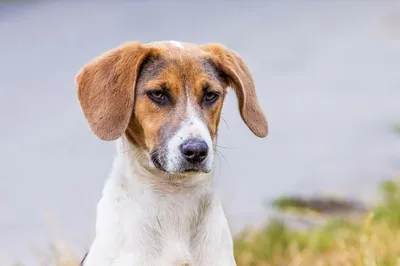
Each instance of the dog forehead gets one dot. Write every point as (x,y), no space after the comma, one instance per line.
(176,50)
(170,44)
(175,60)
(177,44)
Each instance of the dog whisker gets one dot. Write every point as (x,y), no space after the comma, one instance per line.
(224,147)
(219,158)
(128,150)
(226,123)
(220,155)
(138,153)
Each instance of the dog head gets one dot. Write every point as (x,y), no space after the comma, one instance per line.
(166,98)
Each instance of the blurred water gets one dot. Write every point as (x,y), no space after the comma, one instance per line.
(327,75)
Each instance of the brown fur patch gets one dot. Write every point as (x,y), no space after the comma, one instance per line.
(240,79)
(113,90)
(106,89)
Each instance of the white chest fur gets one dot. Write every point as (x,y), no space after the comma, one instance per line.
(142,224)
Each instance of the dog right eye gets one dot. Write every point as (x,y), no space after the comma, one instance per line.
(158,96)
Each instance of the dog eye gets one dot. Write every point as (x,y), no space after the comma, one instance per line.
(210,97)
(157,96)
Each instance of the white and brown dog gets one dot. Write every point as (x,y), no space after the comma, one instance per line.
(162,102)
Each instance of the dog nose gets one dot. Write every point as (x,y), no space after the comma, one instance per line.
(194,150)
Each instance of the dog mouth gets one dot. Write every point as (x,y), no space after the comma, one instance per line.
(194,170)
(158,160)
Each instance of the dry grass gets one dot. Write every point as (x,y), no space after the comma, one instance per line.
(57,255)
(374,240)
(371,243)
(396,127)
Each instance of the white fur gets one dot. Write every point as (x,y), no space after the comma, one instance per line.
(141,222)
(192,127)
(177,44)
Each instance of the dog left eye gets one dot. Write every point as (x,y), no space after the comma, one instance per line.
(157,96)
(210,97)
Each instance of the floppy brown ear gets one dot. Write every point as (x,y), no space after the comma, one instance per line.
(239,78)
(106,89)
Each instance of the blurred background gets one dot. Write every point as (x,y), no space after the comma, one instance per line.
(327,75)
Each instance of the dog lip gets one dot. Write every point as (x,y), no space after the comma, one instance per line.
(194,169)
(156,161)
(159,167)
(190,170)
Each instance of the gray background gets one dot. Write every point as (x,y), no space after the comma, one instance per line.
(327,74)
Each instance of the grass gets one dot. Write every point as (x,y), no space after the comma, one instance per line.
(396,127)
(317,205)
(372,240)
(57,254)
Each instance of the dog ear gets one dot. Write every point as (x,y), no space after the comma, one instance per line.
(236,75)
(106,89)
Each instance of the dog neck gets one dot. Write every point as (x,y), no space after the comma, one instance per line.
(154,212)
(131,168)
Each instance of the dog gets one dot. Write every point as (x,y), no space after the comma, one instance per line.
(161,102)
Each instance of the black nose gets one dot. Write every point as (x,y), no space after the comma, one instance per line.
(194,150)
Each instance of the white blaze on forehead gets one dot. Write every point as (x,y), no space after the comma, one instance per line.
(177,44)
(193,127)
(196,127)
